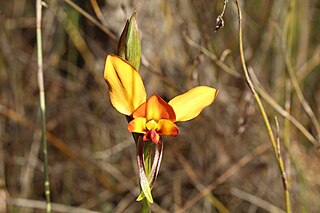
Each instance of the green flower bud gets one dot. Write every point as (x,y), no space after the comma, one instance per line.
(129,46)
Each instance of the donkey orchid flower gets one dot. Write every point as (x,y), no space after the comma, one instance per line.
(151,117)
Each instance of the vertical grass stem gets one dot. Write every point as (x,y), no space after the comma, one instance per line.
(42,103)
(263,113)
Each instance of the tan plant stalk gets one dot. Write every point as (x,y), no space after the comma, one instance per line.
(263,113)
(42,103)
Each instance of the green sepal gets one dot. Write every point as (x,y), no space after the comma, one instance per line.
(122,41)
(141,196)
(144,182)
(129,45)
(146,189)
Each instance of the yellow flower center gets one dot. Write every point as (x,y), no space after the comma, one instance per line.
(152,124)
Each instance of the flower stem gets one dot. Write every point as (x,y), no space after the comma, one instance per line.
(145,206)
(42,103)
(147,161)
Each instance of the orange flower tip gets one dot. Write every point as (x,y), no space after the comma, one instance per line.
(216,93)
(175,132)
(130,127)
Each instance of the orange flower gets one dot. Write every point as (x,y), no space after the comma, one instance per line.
(152,117)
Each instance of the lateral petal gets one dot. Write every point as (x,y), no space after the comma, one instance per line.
(166,127)
(137,125)
(189,105)
(155,109)
(126,88)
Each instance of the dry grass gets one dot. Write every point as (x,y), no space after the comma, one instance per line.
(226,150)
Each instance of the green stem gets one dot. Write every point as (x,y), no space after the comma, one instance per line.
(42,103)
(145,206)
(263,113)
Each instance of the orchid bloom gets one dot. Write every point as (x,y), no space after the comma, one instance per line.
(151,117)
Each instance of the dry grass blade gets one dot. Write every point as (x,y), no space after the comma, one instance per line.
(35,204)
(42,102)
(57,143)
(256,201)
(226,175)
(192,175)
(268,98)
(92,19)
(213,57)
(262,110)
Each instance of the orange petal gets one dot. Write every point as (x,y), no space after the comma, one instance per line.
(166,127)
(126,88)
(189,105)
(155,109)
(152,135)
(137,125)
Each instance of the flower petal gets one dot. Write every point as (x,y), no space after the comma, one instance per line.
(189,105)
(126,88)
(137,125)
(155,109)
(152,135)
(166,127)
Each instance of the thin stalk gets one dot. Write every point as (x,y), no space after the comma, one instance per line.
(287,107)
(145,206)
(267,97)
(42,103)
(300,95)
(286,50)
(284,177)
(263,112)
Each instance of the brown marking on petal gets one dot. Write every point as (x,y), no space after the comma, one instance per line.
(216,94)
(126,88)
(158,149)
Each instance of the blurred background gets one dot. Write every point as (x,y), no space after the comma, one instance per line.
(226,150)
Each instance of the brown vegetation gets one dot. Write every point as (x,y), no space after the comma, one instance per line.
(92,155)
